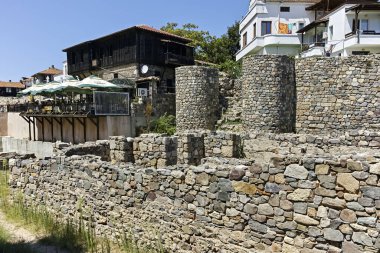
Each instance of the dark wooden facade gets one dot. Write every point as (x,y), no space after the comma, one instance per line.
(10,89)
(139,44)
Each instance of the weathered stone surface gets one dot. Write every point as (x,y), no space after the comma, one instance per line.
(300,195)
(237,174)
(202,179)
(322,169)
(305,220)
(348,215)
(375,169)
(272,188)
(333,235)
(354,166)
(347,181)
(265,209)
(325,192)
(296,171)
(334,203)
(367,221)
(243,187)
(349,247)
(256,226)
(250,208)
(362,238)
(371,192)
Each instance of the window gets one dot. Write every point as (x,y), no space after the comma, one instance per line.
(301,25)
(8,90)
(284,9)
(364,24)
(244,39)
(254,30)
(115,75)
(266,27)
(331,32)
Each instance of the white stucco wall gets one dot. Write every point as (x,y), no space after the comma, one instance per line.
(271,12)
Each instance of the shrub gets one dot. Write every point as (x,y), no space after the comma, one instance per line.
(164,125)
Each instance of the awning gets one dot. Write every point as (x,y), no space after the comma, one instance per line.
(312,25)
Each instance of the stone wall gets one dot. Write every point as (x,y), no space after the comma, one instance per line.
(338,94)
(223,144)
(269,94)
(197,98)
(293,203)
(121,149)
(191,148)
(155,150)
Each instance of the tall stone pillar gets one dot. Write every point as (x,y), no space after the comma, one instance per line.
(269,93)
(197,98)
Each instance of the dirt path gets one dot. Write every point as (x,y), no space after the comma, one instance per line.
(21,235)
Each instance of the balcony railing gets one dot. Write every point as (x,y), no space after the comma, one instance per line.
(53,108)
(369,32)
(306,47)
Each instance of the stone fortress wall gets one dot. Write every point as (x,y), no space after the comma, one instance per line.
(338,94)
(315,95)
(291,193)
(298,199)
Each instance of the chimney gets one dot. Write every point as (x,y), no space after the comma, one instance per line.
(10,81)
(52,66)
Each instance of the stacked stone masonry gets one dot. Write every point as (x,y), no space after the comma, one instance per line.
(338,94)
(197,98)
(121,149)
(269,95)
(223,144)
(191,148)
(155,150)
(292,203)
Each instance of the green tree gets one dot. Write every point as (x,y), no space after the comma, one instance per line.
(220,51)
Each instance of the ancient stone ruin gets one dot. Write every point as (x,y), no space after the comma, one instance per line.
(259,190)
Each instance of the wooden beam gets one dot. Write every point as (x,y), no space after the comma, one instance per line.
(60,124)
(34,129)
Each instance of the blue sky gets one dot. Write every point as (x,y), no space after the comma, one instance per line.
(34,32)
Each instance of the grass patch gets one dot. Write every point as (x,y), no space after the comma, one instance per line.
(73,237)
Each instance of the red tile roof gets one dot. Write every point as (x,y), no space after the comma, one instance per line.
(49,71)
(140,27)
(11,85)
(151,29)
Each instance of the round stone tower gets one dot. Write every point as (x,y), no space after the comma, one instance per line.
(269,93)
(197,98)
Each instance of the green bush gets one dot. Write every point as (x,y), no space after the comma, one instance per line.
(164,125)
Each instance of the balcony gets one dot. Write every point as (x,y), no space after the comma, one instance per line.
(175,59)
(313,49)
(268,40)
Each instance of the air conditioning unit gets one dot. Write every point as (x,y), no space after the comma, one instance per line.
(142,92)
(325,35)
(95,63)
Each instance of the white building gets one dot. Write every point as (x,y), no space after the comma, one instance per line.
(271,26)
(346,29)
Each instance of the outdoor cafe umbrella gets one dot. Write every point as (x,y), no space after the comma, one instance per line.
(40,88)
(94,82)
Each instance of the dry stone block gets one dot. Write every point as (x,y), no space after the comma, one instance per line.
(296,171)
(347,181)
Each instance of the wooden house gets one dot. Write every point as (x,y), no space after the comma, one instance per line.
(136,52)
(10,89)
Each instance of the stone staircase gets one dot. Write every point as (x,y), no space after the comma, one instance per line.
(231,118)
